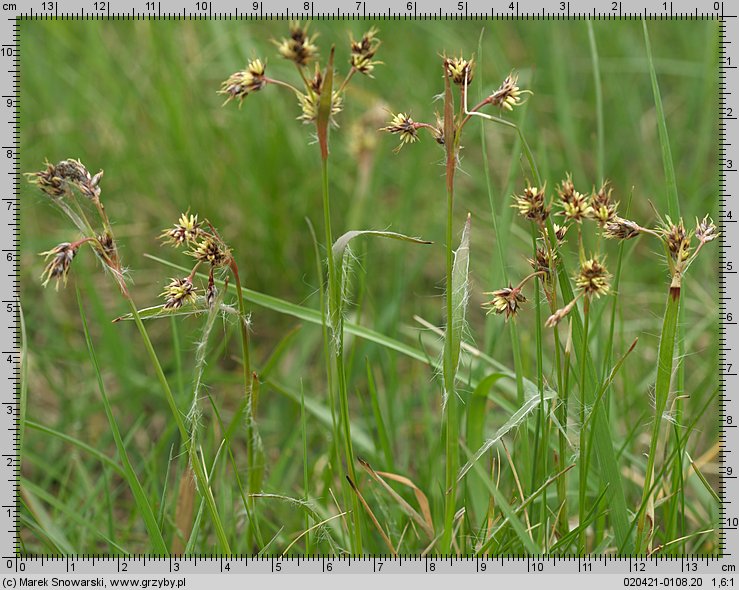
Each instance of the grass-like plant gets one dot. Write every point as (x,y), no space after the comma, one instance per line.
(540,454)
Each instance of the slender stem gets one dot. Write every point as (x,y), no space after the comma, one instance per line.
(661,394)
(583,438)
(194,459)
(337,330)
(254,483)
(452,427)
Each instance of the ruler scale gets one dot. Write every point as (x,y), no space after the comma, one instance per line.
(709,572)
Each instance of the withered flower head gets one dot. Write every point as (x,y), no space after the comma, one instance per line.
(705,230)
(560,231)
(299,47)
(61,258)
(532,204)
(677,239)
(57,180)
(593,278)
(437,131)
(505,301)
(178,293)
(560,314)
(405,127)
(211,250)
(458,69)
(363,52)
(543,260)
(574,205)
(105,240)
(309,104)
(509,94)
(241,84)
(186,230)
(602,207)
(211,292)
(619,228)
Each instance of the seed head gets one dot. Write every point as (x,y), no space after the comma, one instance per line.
(509,94)
(178,293)
(211,250)
(309,104)
(459,69)
(543,260)
(574,205)
(593,278)
(241,84)
(60,259)
(211,292)
(186,230)
(363,52)
(505,301)
(299,47)
(560,314)
(676,239)
(619,228)
(560,231)
(602,207)
(705,230)
(532,204)
(405,127)
(57,181)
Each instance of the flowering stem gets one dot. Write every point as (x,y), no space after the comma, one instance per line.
(449,370)
(195,462)
(583,438)
(661,394)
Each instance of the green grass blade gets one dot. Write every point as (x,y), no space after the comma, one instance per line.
(601,142)
(460,293)
(673,204)
(142,502)
(501,502)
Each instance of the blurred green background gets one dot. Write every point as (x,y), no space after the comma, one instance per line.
(139,100)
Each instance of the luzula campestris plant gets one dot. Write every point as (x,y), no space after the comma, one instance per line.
(320,101)
(592,280)
(447,132)
(77,193)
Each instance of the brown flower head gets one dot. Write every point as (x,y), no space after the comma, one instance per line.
(508,95)
(211,250)
(543,260)
(705,230)
(57,180)
(505,301)
(532,204)
(574,205)
(618,228)
(677,240)
(241,84)
(403,126)
(459,69)
(60,259)
(178,293)
(186,230)
(593,278)
(309,104)
(211,292)
(602,207)
(363,52)
(299,47)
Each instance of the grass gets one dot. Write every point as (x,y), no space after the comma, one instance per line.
(498,469)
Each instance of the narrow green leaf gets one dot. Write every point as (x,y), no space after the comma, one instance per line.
(673,204)
(460,293)
(532,402)
(142,502)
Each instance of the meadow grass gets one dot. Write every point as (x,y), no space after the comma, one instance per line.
(353,364)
